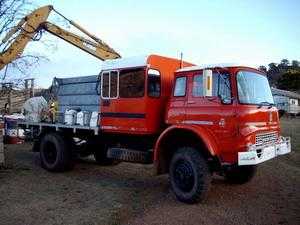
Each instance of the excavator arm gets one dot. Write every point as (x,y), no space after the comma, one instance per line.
(99,50)
(36,21)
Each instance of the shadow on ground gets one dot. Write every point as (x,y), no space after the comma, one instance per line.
(131,194)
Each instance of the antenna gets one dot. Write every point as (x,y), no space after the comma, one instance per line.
(181,60)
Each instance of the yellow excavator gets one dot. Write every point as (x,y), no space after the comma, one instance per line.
(25,31)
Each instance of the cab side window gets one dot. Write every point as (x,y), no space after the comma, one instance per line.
(132,83)
(221,85)
(154,83)
(198,86)
(180,87)
(224,87)
(105,85)
(110,84)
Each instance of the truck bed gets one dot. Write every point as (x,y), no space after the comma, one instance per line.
(57,126)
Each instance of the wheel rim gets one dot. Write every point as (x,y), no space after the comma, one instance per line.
(184,175)
(50,153)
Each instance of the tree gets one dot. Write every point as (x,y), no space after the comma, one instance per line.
(273,73)
(290,80)
(263,69)
(295,64)
(11,11)
(284,64)
(284,75)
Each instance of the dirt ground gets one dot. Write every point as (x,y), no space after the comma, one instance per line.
(131,194)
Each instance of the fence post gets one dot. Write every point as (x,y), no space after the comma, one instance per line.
(9,101)
(2,158)
(29,87)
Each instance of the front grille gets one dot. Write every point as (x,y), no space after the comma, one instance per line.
(264,139)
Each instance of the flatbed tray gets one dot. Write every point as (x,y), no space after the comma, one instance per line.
(57,126)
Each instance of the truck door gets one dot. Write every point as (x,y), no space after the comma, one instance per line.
(227,124)
(209,112)
(177,111)
(123,103)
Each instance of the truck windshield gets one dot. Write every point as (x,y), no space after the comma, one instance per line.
(253,88)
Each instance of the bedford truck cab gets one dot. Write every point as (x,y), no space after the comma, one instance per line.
(190,122)
(232,109)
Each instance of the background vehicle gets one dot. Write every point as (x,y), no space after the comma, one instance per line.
(190,122)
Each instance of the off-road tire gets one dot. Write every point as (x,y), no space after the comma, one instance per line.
(190,176)
(240,174)
(56,153)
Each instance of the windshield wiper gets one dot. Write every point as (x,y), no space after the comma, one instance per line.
(266,104)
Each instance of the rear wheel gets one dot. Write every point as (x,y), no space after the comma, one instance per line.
(55,153)
(189,175)
(240,174)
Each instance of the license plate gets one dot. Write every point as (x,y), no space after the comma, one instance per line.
(269,153)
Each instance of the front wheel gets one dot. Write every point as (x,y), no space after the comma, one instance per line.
(240,174)
(189,175)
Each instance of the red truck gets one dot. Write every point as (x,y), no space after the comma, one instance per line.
(190,121)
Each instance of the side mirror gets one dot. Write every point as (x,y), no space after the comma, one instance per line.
(207,83)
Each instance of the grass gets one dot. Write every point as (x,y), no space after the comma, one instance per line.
(290,127)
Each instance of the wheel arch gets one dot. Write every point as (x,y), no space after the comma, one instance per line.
(181,135)
(38,135)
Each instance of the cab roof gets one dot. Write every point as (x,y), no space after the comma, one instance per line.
(130,62)
(140,61)
(211,66)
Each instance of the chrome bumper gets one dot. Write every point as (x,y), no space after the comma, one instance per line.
(257,155)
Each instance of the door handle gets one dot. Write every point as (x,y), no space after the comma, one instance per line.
(105,102)
(191,102)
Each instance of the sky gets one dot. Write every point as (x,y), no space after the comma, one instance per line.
(250,32)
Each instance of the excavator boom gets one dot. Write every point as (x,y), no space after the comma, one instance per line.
(29,26)
(92,47)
